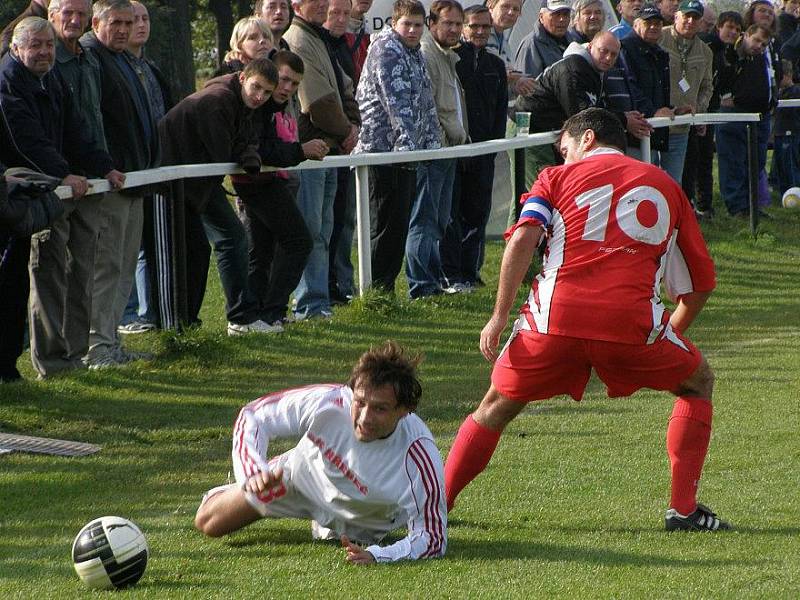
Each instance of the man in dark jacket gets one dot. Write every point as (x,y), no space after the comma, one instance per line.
(341,287)
(749,90)
(219,124)
(483,77)
(47,133)
(133,143)
(647,65)
(698,178)
(571,85)
(151,302)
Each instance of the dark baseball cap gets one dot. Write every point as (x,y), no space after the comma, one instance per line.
(691,6)
(649,11)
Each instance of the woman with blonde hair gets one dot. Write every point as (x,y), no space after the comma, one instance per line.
(251,39)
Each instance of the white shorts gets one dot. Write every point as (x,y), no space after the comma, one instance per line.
(286,501)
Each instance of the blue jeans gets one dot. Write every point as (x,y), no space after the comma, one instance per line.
(138,308)
(732,161)
(786,162)
(461,249)
(430,215)
(227,236)
(315,200)
(672,160)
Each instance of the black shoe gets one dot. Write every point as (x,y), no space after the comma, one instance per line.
(10,376)
(337,298)
(702,519)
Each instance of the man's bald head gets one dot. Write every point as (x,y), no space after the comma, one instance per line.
(604,49)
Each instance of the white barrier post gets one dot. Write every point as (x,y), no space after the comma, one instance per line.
(362,226)
(644,147)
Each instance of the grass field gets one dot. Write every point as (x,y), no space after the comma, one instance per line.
(571,505)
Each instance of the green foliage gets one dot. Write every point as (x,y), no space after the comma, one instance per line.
(571,505)
(204,42)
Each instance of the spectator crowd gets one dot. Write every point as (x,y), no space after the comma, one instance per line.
(80,99)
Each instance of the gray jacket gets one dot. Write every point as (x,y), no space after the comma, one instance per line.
(537,51)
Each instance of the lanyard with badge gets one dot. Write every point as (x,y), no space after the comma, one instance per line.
(683,51)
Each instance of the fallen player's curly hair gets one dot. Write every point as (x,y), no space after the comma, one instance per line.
(388,364)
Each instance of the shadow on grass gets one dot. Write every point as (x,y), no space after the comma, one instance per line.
(549,552)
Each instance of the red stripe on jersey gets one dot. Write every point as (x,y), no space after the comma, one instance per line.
(248,464)
(433,521)
(273,397)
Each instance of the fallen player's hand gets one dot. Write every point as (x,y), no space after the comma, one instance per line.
(490,337)
(356,554)
(264,480)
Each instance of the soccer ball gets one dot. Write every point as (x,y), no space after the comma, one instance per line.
(791,198)
(110,552)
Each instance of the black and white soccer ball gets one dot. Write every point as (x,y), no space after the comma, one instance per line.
(110,552)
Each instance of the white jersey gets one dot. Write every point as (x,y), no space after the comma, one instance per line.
(361,489)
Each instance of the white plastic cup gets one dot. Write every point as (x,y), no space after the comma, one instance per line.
(523,121)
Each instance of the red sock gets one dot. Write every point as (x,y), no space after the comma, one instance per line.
(471,451)
(688,433)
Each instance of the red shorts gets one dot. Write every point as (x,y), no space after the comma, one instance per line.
(535,366)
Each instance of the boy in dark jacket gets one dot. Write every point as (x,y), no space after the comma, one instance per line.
(279,241)
(786,155)
(220,123)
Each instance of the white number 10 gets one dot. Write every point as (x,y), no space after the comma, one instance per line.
(599,202)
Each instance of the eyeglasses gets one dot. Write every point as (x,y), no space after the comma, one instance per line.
(478,26)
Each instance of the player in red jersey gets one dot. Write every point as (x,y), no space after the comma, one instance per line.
(616,229)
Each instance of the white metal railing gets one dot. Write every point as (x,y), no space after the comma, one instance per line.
(361,161)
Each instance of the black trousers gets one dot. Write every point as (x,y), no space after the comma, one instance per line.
(463,244)
(391,194)
(698,179)
(279,244)
(392,189)
(14,289)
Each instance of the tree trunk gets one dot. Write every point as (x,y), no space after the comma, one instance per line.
(223,13)
(170,45)
(245,8)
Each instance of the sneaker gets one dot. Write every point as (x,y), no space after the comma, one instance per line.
(135,327)
(458,288)
(702,519)
(254,327)
(107,360)
(323,314)
(123,355)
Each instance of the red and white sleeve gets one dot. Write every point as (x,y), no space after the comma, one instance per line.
(425,503)
(282,414)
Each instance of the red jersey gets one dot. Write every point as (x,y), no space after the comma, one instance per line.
(616,229)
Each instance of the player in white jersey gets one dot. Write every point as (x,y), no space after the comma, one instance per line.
(364,466)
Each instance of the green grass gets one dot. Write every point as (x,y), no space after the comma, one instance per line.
(571,505)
